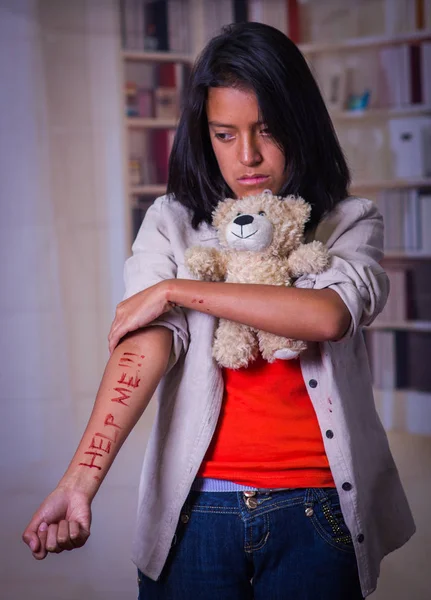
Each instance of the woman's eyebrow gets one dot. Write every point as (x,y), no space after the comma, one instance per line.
(218,124)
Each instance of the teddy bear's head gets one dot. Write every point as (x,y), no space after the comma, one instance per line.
(262,223)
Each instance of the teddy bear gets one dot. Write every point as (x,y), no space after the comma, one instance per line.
(261,242)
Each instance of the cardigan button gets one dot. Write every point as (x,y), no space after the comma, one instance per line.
(360,538)
(329,434)
(347,486)
(312,383)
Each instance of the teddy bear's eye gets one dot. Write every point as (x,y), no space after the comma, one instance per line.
(238,214)
(262,213)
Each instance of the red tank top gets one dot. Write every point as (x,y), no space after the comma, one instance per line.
(267,434)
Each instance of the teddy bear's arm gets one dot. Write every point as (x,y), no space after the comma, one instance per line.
(308,258)
(208,264)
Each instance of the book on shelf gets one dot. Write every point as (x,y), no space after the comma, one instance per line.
(178,26)
(425,221)
(410,143)
(403,16)
(132,24)
(410,292)
(425,74)
(270,12)
(216,14)
(407,219)
(155,25)
(328,21)
(140,150)
(166,106)
(240,11)
(161,141)
(155,91)
(135,171)
(131,97)
(139,100)
(166,93)
(155,32)
(336,20)
(389,77)
(418,369)
(166,103)
(398,360)
(420,291)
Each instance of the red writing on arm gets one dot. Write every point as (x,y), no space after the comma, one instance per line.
(125,395)
(100,441)
(92,463)
(130,381)
(123,360)
(109,421)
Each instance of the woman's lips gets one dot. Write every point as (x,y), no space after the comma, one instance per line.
(255,180)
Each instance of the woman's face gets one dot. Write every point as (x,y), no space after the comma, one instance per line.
(248,158)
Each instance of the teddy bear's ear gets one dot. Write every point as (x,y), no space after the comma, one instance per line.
(222,210)
(298,208)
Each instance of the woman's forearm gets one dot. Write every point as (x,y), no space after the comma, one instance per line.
(128,383)
(310,315)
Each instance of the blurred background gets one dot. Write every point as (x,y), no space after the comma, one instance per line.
(90,92)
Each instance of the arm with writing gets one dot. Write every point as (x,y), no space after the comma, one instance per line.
(62,522)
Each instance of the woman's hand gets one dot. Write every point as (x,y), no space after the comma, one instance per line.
(62,522)
(139,310)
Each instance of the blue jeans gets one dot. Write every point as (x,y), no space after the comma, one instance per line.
(283,545)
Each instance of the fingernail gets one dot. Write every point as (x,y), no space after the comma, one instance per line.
(43,527)
(33,545)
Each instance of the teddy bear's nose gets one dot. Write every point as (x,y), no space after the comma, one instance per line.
(244,220)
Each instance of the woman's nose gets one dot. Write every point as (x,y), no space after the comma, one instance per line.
(249,153)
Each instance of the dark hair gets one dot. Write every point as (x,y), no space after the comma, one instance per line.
(261,58)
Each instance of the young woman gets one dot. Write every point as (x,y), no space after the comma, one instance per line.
(276,480)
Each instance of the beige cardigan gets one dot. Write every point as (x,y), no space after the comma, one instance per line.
(337,376)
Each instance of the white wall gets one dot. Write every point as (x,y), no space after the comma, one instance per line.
(62,252)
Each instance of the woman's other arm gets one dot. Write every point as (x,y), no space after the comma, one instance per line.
(310,315)
(337,302)
(62,522)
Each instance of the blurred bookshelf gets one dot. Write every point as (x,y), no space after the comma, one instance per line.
(372,62)
(365,42)
(157,57)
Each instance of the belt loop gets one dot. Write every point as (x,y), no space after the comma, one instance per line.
(308,497)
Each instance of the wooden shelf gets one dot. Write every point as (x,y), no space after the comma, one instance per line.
(150,123)
(161,57)
(381,113)
(362,43)
(155,189)
(392,184)
(416,326)
(408,254)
